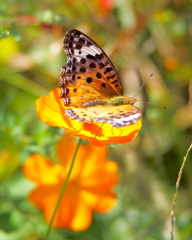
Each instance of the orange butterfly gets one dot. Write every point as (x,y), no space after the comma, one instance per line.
(90,85)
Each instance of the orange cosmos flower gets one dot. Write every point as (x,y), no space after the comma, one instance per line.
(51,110)
(89,188)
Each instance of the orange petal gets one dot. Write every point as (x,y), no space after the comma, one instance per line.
(97,187)
(71,209)
(104,175)
(114,135)
(50,112)
(99,203)
(84,211)
(71,212)
(65,149)
(40,170)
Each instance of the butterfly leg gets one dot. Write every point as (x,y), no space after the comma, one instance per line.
(112,130)
(98,130)
(120,133)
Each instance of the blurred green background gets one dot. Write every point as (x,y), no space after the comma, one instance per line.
(141,38)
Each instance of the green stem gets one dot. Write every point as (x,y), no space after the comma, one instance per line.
(63,189)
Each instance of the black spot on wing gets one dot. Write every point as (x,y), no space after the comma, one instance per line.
(76,32)
(101,65)
(109,77)
(114,82)
(92,65)
(82,69)
(98,75)
(73,68)
(89,56)
(81,40)
(78,46)
(89,80)
(83,60)
(66,91)
(98,57)
(108,69)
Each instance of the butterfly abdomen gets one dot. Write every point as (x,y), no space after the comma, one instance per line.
(115,101)
(96,103)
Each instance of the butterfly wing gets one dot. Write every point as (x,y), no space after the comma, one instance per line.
(116,116)
(89,74)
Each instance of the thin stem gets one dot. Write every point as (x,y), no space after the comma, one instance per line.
(176,191)
(63,189)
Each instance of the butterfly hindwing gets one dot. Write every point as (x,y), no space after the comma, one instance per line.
(117,116)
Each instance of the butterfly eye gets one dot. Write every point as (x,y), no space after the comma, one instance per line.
(132,101)
(129,101)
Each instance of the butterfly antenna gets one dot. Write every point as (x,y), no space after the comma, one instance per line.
(143,85)
(153,104)
(147,102)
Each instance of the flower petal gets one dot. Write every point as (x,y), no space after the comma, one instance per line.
(41,170)
(115,135)
(51,110)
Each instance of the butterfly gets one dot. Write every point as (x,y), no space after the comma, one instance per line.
(91,87)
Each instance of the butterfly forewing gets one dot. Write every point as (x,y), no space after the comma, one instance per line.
(90,83)
(88,71)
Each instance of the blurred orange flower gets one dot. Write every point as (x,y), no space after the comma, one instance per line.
(51,110)
(89,188)
(171,63)
(105,6)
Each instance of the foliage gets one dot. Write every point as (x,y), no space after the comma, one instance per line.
(141,38)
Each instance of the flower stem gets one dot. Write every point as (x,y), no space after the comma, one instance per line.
(63,189)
